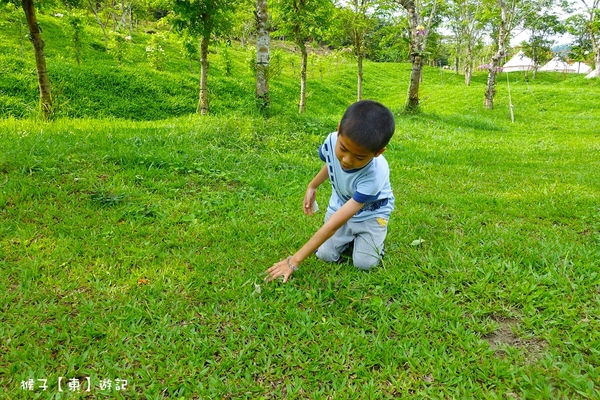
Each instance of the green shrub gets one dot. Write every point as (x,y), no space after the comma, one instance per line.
(155,53)
(77,23)
(119,47)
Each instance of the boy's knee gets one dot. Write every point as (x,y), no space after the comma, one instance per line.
(327,256)
(366,263)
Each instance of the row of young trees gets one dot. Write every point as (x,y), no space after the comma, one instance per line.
(368,28)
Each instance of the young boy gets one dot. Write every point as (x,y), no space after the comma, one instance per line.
(361,200)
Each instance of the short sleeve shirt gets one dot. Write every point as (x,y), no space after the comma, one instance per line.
(369,185)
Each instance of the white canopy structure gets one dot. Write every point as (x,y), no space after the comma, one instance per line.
(594,74)
(556,65)
(519,62)
(580,68)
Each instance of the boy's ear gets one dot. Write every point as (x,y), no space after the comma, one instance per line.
(379,152)
(338,130)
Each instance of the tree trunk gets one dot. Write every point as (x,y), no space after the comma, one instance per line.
(418,40)
(360,77)
(412,103)
(469,65)
(203,101)
(596,48)
(468,74)
(40,58)
(416,44)
(99,20)
(490,90)
(593,9)
(534,55)
(263,41)
(357,39)
(19,26)
(303,64)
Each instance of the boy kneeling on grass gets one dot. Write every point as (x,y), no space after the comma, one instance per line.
(361,200)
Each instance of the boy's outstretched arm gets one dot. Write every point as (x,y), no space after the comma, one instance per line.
(311,190)
(339,218)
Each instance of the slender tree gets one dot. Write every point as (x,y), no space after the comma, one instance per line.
(541,20)
(507,17)
(592,24)
(202,18)
(40,58)
(126,12)
(244,18)
(581,45)
(14,16)
(77,24)
(102,13)
(263,41)
(466,20)
(358,23)
(419,29)
(302,20)
(456,26)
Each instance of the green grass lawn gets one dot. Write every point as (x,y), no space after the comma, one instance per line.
(135,250)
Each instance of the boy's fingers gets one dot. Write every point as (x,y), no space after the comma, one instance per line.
(272,273)
(308,209)
(275,272)
(270,276)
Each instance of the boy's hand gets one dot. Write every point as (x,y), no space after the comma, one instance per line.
(281,268)
(309,200)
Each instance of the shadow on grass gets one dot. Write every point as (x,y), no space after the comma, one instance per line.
(463,121)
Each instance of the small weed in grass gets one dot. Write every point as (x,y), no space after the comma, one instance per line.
(105,198)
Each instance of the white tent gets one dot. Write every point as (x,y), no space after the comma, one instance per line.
(556,65)
(594,74)
(580,68)
(519,62)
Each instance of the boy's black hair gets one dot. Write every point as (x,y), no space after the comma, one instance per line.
(369,124)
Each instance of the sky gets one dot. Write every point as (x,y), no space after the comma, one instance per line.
(520,35)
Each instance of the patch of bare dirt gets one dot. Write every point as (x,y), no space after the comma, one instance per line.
(505,336)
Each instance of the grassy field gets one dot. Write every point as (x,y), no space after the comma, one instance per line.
(135,250)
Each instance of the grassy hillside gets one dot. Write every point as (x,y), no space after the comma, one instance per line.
(102,87)
(133,238)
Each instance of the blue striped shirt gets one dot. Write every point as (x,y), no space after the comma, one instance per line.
(369,185)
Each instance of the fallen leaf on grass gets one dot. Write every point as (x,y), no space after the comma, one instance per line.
(417,242)
(143,281)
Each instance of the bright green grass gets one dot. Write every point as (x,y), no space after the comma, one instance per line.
(135,250)
(101,88)
(501,300)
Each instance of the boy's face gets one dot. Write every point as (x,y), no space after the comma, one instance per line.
(351,155)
